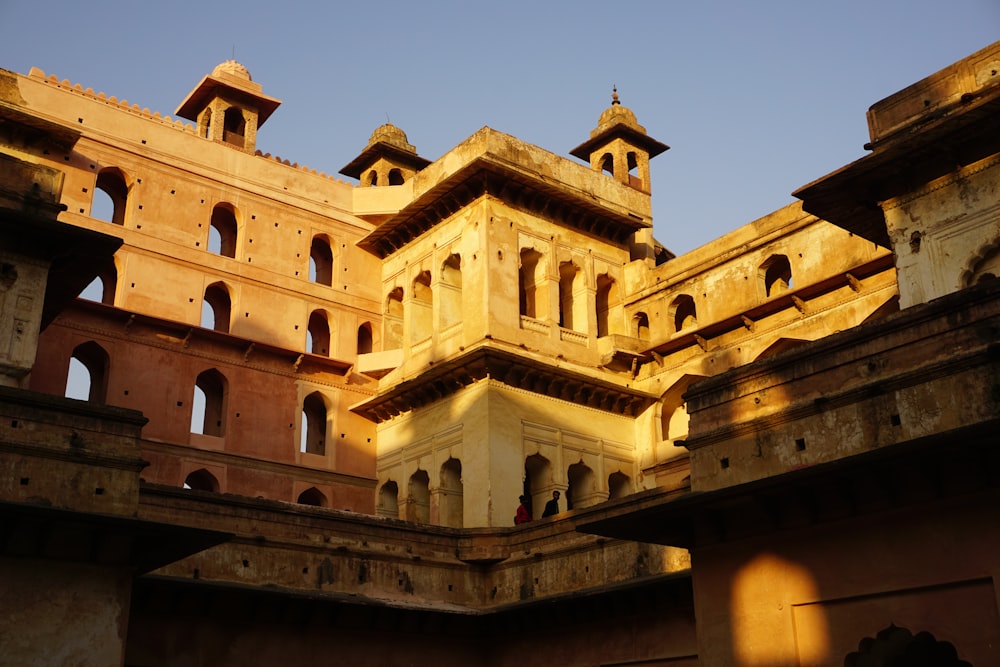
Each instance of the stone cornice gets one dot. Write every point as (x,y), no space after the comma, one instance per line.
(511,369)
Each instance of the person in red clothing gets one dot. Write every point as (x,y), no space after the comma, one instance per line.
(523,514)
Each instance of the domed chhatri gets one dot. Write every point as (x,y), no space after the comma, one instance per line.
(388,159)
(616,114)
(232,68)
(229,106)
(390,134)
(620,146)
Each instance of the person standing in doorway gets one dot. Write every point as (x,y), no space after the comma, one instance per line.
(552,507)
(523,514)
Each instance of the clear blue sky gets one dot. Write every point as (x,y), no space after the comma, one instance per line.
(754,98)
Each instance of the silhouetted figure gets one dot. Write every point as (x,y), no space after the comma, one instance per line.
(552,507)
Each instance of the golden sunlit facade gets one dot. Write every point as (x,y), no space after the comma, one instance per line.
(290,416)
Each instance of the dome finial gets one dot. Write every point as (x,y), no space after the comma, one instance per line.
(614,95)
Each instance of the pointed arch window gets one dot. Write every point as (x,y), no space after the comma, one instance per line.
(531,285)
(634,176)
(313,496)
(640,325)
(572,313)
(234,127)
(321,261)
(202,480)
(682,312)
(110,196)
(216,308)
(372,178)
(423,307)
(102,288)
(775,275)
(388,500)
(582,486)
(87,379)
(419,506)
(619,485)
(607,303)
(607,164)
(365,338)
(318,333)
(450,494)
(451,291)
(538,481)
(393,320)
(314,418)
(223,230)
(395,177)
(208,413)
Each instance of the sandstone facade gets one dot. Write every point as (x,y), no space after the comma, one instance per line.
(344,387)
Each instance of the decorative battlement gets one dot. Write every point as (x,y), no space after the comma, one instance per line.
(168,121)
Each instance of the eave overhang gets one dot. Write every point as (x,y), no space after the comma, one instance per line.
(961,462)
(939,143)
(382,149)
(31,531)
(511,369)
(246,93)
(492,175)
(620,131)
(183,334)
(30,130)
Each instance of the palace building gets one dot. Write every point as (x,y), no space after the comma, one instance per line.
(305,406)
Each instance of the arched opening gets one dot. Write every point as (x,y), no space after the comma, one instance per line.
(234,127)
(450,497)
(607,163)
(102,288)
(423,308)
(569,317)
(582,487)
(895,646)
(682,313)
(531,285)
(318,334)
(619,485)
(634,179)
(674,420)
(393,320)
(110,196)
(395,177)
(775,275)
(388,500)
(313,432)
(606,299)
(321,261)
(209,404)
(216,308)
(984,267)
(419,505)
(365,338)
(313,496)
(205,124)
(640,326)
(538,481)
(222,232)
(201,480)
(372,179)
(451,291)
(88,373)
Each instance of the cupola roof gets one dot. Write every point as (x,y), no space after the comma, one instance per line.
(232,80)
(618,121)
(390,142)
